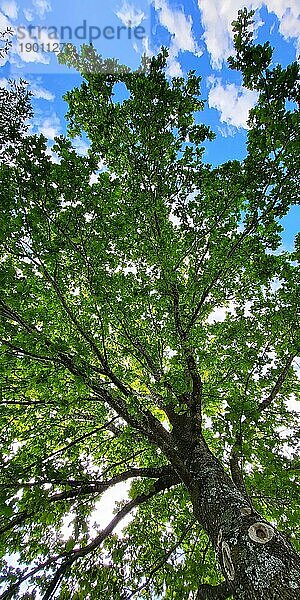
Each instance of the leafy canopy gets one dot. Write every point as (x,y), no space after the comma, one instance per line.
(113,267)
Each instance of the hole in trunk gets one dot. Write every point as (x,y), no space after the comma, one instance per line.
(260,532)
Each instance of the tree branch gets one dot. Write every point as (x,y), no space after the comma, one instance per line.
(145,422)
(82,487)
(213,592)
(278,385)
(236,471)
(158,564)
(237,242)
(70,557)
(7,311)
(196,395)
(22,352)
(235,463)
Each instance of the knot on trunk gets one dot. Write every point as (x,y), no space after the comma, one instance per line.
(260,533)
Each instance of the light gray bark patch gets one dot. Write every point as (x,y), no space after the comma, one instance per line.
(219,540)
(246,510)
(227,562)
(264,571)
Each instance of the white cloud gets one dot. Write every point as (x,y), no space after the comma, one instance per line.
(177,23)
(48,42)
(29,15)
(37,90)
(179,26)
(30,47)
(218,315)
(50,126)
(105,508)
(129,15)
(25,50)
(227,130)
(217,16)
(232,101)
(27,47)
(80,146)
(146,46)
(4,24)
(4,83)
(288,13)
(10,9)
(41,93)
(30,56)
(174,67)
(42,6)
(292,403)
(93,178)
(53,156)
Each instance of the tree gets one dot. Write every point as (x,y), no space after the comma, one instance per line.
(5,41)
(112,367)
(15,107)
(15,110)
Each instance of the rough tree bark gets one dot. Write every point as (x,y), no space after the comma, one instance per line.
(256,560)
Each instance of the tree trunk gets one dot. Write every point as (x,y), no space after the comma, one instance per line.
(256,560)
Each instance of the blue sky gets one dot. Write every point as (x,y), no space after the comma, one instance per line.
(197,33)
